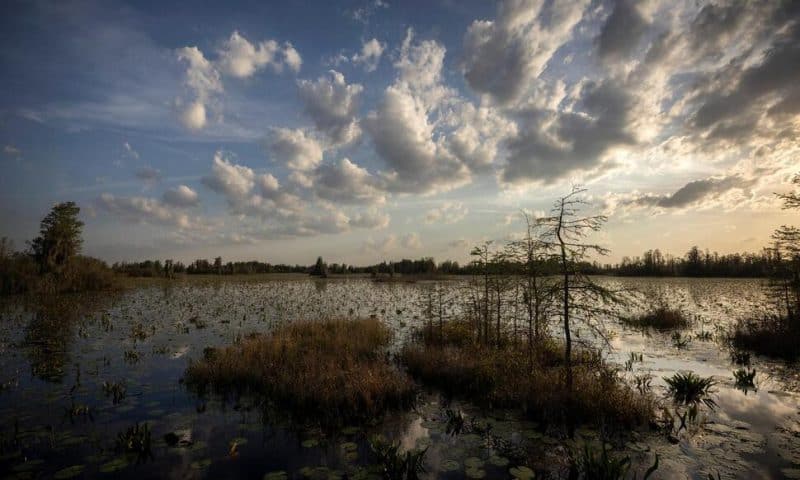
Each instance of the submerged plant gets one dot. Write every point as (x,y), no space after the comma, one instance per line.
(397,465)
(689,388)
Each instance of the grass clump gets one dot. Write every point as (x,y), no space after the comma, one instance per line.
(597,464)
(660,318)
(511,376)
(776,336)
(332,369)
(690,388)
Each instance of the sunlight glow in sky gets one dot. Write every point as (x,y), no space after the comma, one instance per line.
(370,129)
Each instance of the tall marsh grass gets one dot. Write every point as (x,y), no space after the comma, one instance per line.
(333,369)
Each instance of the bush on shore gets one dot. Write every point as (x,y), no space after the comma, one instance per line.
(660,318)
(770,335)
(330,370)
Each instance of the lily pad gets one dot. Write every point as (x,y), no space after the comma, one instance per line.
(450,466)
(115,465)
(498,461)
(475,472)
(201,464)
(277,475)
(522,473)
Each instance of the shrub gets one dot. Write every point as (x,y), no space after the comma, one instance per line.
(507,377)
(660,318)
(328,370)
(770,335)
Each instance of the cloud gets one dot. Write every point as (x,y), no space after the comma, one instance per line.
(384,246)
(241,59)
(502,57)
(11,151)
(370,55)
(346,182)
(181,196)
(148,174)
(371,218)
(294,148)
(203,80)
(129,151)
(458,243)
(233,181)
(411,241)
(332,105)
(447,213)
(553,144)
(622,30)
(145,210)
(695,192)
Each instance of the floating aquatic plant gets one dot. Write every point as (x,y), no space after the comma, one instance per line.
(135,439)
(745,379)
(689,388)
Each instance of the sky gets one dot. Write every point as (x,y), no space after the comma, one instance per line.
(366,130)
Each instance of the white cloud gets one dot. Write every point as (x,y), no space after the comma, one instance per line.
(129,151)
(181,196)
(371,218)
(346,182)
(145,210)
(241,59)
(294,148)
(233,181)
(332,105)
(370,55)
(203,80)
(148,174)
(448,213)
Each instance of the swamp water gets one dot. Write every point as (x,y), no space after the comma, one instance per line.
(76,372)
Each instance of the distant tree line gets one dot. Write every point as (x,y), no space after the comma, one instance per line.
(696,263)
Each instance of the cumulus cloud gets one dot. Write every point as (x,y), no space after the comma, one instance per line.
(371,218)
(238,58)
(370,55)
(332,105)
(241,59)
(181,196)
(346,182)
(294,148)
(448,213)
(383,246)
(502,57)
(144,210)
(203,80)
(288,213)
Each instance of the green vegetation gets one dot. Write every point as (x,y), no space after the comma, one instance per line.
(598,464)
(660,318)
(395,464)
(330,370)
(53,263)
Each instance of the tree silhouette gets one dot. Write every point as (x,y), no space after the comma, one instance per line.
(59,238)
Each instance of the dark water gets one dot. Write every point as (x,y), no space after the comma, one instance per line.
(56,420)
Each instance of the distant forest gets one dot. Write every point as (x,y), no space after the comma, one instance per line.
(695,263)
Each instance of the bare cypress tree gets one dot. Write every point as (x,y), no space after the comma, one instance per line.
(581,299)
(483,260)
(531,253)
